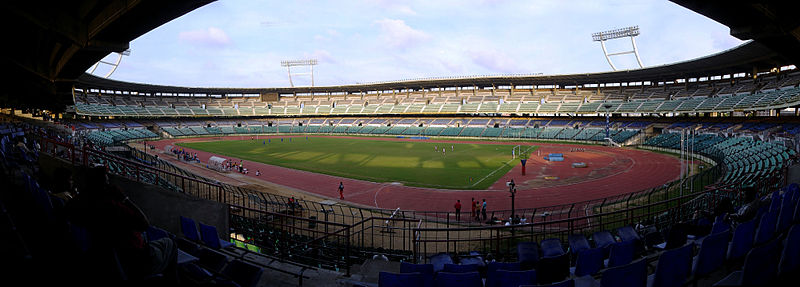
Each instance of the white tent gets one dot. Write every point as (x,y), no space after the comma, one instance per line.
(216,163)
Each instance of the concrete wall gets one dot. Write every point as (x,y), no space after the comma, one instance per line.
(162,207)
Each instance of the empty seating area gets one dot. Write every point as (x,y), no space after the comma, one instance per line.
(719,96)
(745,159)
(109,137)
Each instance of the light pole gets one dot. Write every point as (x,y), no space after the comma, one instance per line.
(631,32)
(512,189)
(294,63)
(608,120)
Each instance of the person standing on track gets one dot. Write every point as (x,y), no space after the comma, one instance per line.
(341,190)
(457,206)
(483,209)
(473,207)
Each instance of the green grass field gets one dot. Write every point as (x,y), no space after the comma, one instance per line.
(413,163)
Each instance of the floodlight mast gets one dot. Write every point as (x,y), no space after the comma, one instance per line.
(631,32)
(294,63)
(113,65)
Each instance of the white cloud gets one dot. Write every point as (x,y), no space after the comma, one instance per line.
(212,37)
(397,34)
(494,61)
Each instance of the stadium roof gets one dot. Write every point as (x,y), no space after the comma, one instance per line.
(747,58)
(774,24)
(49,44)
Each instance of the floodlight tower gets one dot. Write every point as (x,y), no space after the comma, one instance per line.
(294,63)
(113,64)
(608,120)
(631,32)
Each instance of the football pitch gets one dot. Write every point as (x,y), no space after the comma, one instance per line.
(413,163)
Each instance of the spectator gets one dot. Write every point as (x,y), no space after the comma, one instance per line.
(483,209)
(473,207)
(118,224)
(749,210)
(457,206)
(477,211)
(515,219)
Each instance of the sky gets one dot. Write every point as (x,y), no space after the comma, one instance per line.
(240,43)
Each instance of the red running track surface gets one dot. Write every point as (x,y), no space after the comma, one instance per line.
(611,171)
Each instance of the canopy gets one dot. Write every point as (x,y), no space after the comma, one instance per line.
(216,163)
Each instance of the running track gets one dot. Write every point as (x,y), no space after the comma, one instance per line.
(611,171)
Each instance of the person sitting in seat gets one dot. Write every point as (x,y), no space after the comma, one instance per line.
(117,223)
(749,210)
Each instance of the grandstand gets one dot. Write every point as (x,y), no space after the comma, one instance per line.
(740,107)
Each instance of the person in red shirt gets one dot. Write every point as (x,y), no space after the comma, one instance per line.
(458,209)
(473,207)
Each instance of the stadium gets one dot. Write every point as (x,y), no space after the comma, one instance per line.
(669,175)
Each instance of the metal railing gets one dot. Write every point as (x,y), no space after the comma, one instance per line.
(334,236)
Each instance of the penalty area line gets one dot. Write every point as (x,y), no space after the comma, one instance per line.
(495,171)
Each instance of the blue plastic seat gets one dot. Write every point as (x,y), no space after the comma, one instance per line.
(785,216)
(406,267)
(790,257)
(760,267)
(766,228)
(439,260)
(210,237)
(742,241)
(155,233)
(720,226)
(589,262)
(711,255)
(796,217)
(603,239)
(628,233)
(425,269)
(630,275)
(389,279)
(621,253)
(456,268)
(516,278)
(775,202)
(551,247)
(577,243)
(528,253)
(189,229)
(492,276)
(446,279)
(674,267)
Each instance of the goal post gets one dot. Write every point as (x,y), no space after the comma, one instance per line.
(516,151)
